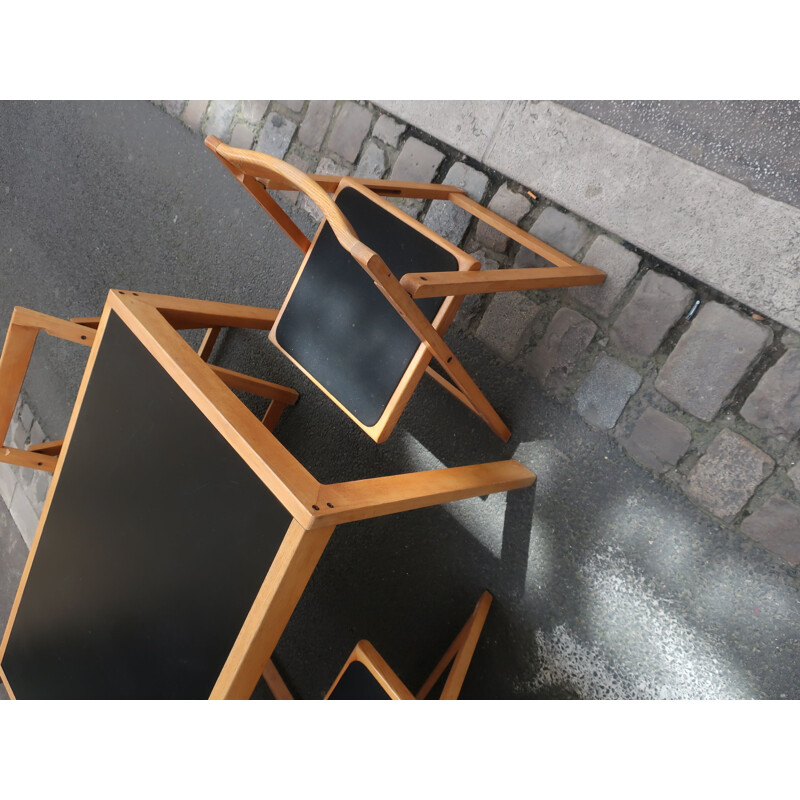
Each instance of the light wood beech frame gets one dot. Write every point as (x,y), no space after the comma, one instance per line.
(316,508)
(23,330)
(21,336)
(458,657)
(259,172)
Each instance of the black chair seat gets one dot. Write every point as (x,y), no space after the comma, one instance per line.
(338,326)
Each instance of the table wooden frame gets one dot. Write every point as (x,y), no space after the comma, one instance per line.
(316,508)
(260,173)
(23,331)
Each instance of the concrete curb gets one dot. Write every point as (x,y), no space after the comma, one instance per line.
(743,244)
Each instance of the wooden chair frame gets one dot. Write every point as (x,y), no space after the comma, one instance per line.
(316,508)
(23,331)
(259,172)
(458,657)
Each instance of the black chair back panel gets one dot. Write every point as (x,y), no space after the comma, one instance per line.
(338,325)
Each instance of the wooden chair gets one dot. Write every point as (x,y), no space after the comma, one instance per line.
(178,533)
(23,330)
(366,675)
(377,290)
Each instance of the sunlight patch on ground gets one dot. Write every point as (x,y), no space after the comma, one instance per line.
(484,519)
(545,460)
(654,654)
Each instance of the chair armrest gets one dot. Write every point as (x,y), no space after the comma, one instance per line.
(374,497)
(446,284)
(261,165)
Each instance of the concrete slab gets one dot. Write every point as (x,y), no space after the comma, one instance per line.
(705,224)
(754,142)
(467,125)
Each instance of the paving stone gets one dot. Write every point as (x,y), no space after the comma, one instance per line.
(220,116)
(447,219)
(193,114)
(301,164)
(387,130)
(372,163)
(619,264)
(253,110)
(293,105)
(473,303)
(557,352)
(790,339)
(559,230)
(25,477)
(417,162)
(26,417)
(8,482)
(36,488)
(315,125)
(487,262)
(24,516)
(774,404)
(326,166)
(349,131)
(657,304)
(726,476)
(776,525)
(710,359)
(507,323)
(173,107)
(17,435)
(42,487)
(411,206)
(276,135)
(511,206)
(605,392)
(794,474)
(37,434)
(657,441)
(242,136)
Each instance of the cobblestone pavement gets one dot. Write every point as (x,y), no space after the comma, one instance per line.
(665,372)
(666,365)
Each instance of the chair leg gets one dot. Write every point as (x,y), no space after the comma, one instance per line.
(279,689)
(367,655)
(473,397)
(274,411)
(209,340)
(457,393)
(459,653)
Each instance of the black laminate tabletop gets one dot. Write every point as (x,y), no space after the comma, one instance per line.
(157,539)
